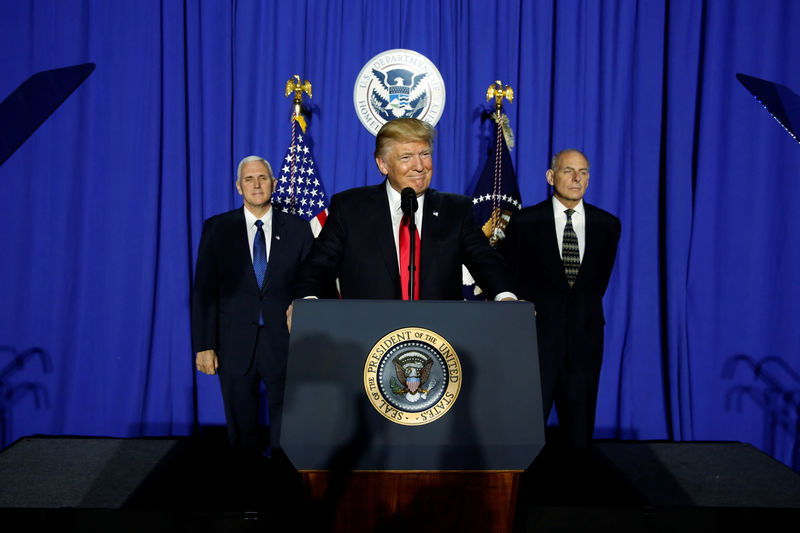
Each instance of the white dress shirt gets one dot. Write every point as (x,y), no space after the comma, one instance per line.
(250,222)
(396,211)
(578,224)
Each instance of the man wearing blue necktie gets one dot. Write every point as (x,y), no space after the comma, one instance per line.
(246,263)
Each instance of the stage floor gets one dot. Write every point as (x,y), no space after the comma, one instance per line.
(192,484)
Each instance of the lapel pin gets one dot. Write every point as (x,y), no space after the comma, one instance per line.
(436,213)
(277,237)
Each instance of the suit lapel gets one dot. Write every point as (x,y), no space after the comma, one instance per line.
(276,246)
(431,227)
(591,248)
(379,217)
(549,254)
(241,244)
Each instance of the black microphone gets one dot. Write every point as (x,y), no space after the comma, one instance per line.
(408,202)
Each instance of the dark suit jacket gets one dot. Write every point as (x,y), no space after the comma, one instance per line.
(226,298)
(357,246)
(569,321)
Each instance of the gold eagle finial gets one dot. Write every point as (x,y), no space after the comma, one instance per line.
(497,92)
(294,85)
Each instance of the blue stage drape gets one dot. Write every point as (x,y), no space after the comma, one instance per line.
(101,208)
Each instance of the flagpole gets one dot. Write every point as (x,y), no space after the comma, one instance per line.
(295,86)
(497,92)
(496,195)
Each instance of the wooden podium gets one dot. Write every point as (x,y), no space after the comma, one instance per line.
(373,456)
(408,500)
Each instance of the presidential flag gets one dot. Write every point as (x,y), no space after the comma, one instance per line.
(299,190)
(496,197)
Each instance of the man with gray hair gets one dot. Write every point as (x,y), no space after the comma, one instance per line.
(246,264)
(561,253)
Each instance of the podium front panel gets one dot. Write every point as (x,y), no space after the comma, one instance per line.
(494,423)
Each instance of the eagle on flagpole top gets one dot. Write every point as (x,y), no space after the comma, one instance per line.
(497,92)
(294,85)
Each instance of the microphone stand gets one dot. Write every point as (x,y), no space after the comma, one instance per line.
(408,203)
(412,264)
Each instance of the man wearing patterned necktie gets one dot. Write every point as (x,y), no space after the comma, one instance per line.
(246,263)
(561,253)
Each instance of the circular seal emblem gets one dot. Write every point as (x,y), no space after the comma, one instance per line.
(412,376)
(398,83)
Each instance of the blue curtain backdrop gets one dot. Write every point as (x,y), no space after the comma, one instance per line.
(101,208)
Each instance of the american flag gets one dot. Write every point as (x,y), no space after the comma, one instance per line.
(496,196)
(299,189)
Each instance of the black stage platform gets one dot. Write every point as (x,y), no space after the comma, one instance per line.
(191,484)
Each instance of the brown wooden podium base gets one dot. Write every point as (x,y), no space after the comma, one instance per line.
(413,500)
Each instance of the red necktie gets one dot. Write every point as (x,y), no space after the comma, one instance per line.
(405,245)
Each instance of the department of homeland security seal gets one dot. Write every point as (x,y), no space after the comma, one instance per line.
(398,83)
(412,376)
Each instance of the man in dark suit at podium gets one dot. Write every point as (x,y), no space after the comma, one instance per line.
(561,253)
(246,263)
(363,241)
